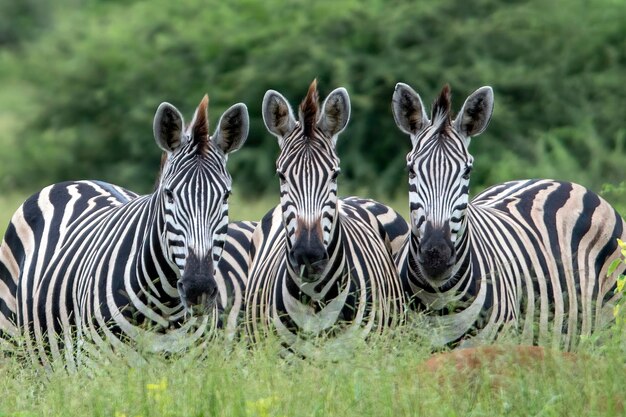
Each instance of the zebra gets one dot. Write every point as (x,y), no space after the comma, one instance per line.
(529,255)
(319,265)
(91,261)
(232,269)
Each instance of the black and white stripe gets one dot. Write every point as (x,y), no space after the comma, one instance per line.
(530,255)
(320,266)
(87,260)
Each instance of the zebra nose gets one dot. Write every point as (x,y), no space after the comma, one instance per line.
(198,290)
(308,251)
(436,252)
(197,287)
(306,256)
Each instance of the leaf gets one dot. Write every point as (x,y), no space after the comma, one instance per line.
(613,267)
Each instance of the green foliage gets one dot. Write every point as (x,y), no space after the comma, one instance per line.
(619,311)
(21,20)
(616,193)
(8,205)
(90,86)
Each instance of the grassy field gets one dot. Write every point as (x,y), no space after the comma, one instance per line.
(385,376)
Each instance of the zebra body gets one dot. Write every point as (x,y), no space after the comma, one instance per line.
(232,276)
(319,265)
(356,296)
(90,261)
(531,254)
(390,224)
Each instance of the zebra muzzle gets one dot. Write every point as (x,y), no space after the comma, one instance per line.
(437,254)
(308,255)
(197,297)
(197,287)
(310,272)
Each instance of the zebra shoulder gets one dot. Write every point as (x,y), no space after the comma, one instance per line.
(269,229)
(392,227)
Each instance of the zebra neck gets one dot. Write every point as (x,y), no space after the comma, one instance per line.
(334,277)
(154,270)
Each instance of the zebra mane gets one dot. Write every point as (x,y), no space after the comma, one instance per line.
(308,110)
(199,127)
(441,118)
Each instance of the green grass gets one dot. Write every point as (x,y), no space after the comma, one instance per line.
(381,377)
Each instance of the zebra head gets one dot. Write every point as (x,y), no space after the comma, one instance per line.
(439,167)
(307,168)
(193,192)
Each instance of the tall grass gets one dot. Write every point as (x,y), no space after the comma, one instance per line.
(380,377)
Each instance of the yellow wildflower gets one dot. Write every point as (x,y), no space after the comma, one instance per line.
(262,407)
(161,386)
(621,282)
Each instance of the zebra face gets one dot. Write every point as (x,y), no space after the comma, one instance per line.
(439,167)
(193,193)
(308,168)
(308,197)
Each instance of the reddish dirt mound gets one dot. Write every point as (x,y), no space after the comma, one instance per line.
(496,367)
(476,358)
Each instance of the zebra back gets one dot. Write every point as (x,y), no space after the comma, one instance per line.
(391,225)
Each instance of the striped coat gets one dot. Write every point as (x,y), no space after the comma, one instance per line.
(528,255)
(87,261)
(320,266)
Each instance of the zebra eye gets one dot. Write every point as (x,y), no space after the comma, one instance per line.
(226,196)
(281,177)
(467,172)
(335,175)
(169,195)
(412,173)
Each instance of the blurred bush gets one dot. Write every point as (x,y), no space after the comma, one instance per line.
(85,88)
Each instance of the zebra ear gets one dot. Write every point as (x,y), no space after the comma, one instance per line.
(168,127)
(475,113)
(232,129)
(408,110)
(335,113)
(277,115)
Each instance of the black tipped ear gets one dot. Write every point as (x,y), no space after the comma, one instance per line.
(232,129)
(168,127)
(336,113)
(277,114)
(474,117)
(408,110)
